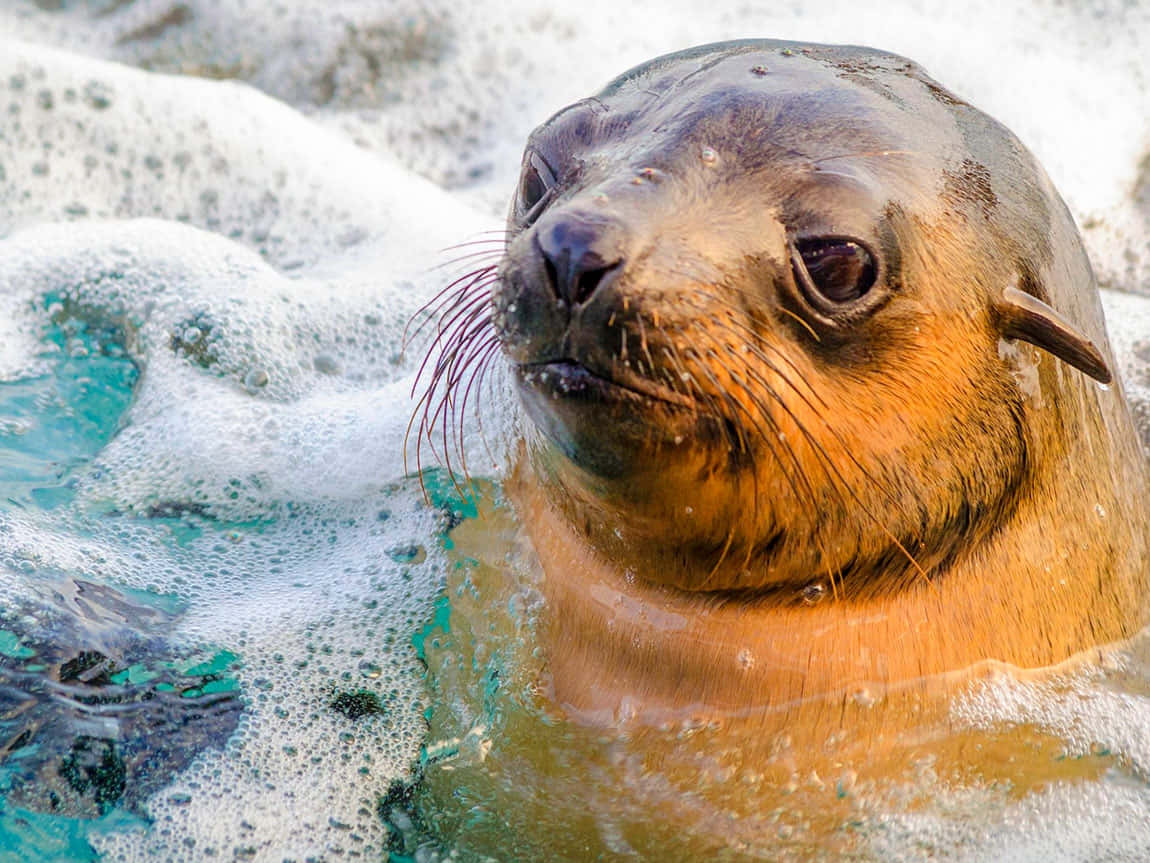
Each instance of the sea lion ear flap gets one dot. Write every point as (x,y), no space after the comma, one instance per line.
(1022,316)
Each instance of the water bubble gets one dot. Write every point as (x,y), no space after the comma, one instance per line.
(256,379)
(327,365)
(814,592)
(98,95)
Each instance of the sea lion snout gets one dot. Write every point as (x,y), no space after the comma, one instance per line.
(568,261)
(579,252)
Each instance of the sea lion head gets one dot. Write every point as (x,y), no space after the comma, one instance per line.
(761,300)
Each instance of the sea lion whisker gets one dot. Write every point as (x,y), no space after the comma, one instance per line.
(835,477)
(643,342)
(699,393)
(458,325)
(771,448)
(444,413)
(776,438)
(498,242)
(479,360)
(496,252)
(459,353)
(863,153)
(769,439)
(830,465)
(833,474)
(456,356)
(803,323)
(446,341)
(728,287)
(463,313)
(456,344)
(478,357)
(757,343)
(675,381)
(722,556)
(676,376)
(735,436)
(731,327)
(460,286)
(484,366)
(822,419)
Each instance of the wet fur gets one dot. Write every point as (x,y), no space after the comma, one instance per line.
(870,506)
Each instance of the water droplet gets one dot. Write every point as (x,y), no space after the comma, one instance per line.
(370,670)
(256,379)
(98,95)
(709,156)
(407,553)
(814,592)
(326,365)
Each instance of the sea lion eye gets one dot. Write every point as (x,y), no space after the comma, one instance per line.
(839,269)
(535,186)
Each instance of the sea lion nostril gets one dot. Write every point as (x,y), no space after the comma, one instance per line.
(589,280)
(577,255)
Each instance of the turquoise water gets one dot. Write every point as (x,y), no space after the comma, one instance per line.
(52,424)
(61,784)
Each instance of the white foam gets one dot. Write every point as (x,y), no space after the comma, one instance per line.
(1100,821)
(1128,320)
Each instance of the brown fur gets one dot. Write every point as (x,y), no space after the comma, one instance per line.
(944,509)
(779,518)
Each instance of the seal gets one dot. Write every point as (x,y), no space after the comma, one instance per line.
(818,388)
(821,424)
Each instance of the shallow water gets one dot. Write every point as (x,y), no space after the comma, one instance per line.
(206,523)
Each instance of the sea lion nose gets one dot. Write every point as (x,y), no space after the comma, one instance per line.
(579,254)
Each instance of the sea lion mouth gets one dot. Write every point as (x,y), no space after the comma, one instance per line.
(570,379)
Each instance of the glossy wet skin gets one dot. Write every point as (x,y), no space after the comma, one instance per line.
(810,350)
(748,296)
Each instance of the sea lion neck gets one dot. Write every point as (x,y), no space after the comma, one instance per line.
(622,646)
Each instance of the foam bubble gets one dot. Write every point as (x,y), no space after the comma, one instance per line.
(1128,320)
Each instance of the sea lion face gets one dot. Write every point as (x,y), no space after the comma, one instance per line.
(748,294)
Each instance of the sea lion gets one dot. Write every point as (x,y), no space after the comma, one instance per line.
(819,393)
